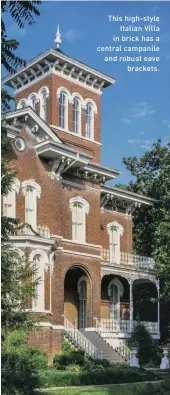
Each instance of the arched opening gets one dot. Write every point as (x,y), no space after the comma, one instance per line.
(114,298)
(145,301)
(76,303)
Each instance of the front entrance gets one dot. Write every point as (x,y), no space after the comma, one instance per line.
(75,297)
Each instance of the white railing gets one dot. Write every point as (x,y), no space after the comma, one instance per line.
(42,231)
(110,325)
(81,341)
(102,327)
(137,261)
(124,351)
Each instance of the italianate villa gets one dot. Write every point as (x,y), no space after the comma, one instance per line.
(77,229)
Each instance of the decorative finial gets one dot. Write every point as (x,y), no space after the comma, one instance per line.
(58,38)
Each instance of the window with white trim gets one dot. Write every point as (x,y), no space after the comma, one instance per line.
(22,103)
(9,200)
(63,110)
(79,208)
(31,191)
(115,230)
(33,101)
(40,264)
(115,292)
(43,103)
(89,121)
(76,116)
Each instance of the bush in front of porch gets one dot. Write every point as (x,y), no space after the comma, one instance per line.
(148,350)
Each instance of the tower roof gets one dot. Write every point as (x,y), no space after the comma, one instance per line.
(56,62)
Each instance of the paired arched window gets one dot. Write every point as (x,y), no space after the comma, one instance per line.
(115,230)
(80,208)
(32,100)
(89,121)
(76,115)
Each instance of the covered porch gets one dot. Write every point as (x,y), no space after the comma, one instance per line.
(126,299)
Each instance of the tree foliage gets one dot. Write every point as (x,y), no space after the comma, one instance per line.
(22,12)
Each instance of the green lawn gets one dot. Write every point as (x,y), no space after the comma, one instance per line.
(127,389)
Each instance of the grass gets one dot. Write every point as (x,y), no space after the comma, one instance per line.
(127,389)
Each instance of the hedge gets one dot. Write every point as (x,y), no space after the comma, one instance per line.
(112,375)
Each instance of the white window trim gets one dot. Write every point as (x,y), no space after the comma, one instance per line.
(14,187)
(45,264)
(80,116)
(37,191)
(29,100)
(120,231)
(19,103)
(68,100)
(43,88)
(120,287)
(85,208)
(94,112)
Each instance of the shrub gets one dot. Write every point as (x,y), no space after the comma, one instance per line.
(143,341)
(112,375)
(66,346)
(159,389)
(39,359)
(19,373)
(73,358)
(73,368)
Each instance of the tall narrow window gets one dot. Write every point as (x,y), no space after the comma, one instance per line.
(89,121)
(115,292)
(76,115)
(79,208)
(82,289)
(31,191)
(43,94)
(115,230)
(9,200)
(40,264)
(22,103)
(63,110)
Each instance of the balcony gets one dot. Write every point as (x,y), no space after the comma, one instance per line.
(124,326)
(134,261)
(41,231)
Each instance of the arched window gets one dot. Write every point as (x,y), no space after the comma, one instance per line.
(115,292)
(76,116)
(32,100)
(115,230)
(31,191)
(43,95)
(22,103)
(89,121)
(40,264)
(9,200)
(82,290)
(79,208)
(63,110)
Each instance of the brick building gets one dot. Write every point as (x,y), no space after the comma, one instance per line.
(81,228)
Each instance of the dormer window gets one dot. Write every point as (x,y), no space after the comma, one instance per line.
(115,230)
(63,110)
(76,116)
(79,208)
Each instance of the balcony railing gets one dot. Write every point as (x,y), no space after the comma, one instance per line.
(137,261)
(109,325)
(42,231)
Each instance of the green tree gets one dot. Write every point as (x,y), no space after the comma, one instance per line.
(22,12)
(151,233)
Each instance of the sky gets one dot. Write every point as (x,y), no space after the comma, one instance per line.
(136,109)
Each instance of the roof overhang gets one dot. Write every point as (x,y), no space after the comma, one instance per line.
(54,61)
(116,197)
(27,117)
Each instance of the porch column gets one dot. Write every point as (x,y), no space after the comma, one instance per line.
(131,303)
(158,291)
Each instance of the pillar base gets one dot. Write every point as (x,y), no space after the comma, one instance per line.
(48,340)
